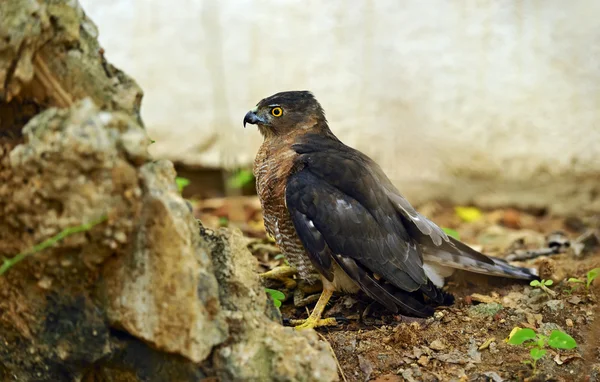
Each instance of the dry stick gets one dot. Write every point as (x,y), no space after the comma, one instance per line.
(8,263)
(43,73)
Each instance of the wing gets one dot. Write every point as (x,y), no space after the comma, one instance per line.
(336,194)
(360,178)
(329,221)
(334,225)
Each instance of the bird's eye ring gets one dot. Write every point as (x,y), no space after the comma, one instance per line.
(277,111)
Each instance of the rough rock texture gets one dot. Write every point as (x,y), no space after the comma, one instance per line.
(166,293)
(133,297)
(255,351)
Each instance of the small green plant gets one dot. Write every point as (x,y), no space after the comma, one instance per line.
(591,276)
(543,285)
(576,284)
(528,337)
(276,295)
(223,221)
(8,263)
(240,179)
(181,183)
(451,232)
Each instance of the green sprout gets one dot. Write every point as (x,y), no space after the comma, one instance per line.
(576,284)
(591,276)
(276,295)
(240,179)
(543,285)
(528,337)
(181,183)
(451,232)
(8,263)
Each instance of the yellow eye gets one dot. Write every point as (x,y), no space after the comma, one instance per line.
(276,111)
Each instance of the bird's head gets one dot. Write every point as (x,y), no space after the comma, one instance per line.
(287,112)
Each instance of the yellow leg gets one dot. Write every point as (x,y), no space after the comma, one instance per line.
(282,273)
(315,320)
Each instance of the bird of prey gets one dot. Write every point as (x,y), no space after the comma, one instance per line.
(332,210)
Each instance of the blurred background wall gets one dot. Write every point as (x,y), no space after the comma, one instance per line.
(487,102)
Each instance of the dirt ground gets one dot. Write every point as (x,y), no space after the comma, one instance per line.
(465,341)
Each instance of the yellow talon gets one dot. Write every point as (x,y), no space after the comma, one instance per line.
(315,320)
(283,274)
(311,324)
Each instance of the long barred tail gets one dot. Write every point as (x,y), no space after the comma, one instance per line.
(440,264)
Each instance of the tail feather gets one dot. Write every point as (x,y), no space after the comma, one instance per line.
(441,261)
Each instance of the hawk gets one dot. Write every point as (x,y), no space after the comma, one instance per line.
(332,210)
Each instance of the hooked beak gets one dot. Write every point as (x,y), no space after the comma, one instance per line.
(253,119)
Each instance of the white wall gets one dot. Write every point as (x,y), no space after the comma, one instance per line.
(488,101)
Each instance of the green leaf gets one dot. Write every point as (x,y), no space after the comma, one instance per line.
(279,256)
(535,283)
(537,353)
(152,141)
(468,214)
(561,340)
(240,179)
(451,232)
(591,275)
(547,282)
(574,280)
(521,336)
(223,221)
(181,183)
(276,295)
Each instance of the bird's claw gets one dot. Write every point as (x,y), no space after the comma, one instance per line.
(283,274)
(311,323)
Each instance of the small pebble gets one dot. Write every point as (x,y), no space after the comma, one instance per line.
(569,322)
(437,345)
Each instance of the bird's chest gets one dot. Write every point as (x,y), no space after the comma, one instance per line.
(271,169)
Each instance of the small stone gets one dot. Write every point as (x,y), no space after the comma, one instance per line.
(423,360)
(555,305)
(482,298)
(485,309)
(511,219)
(45,283)
(437,345)
(569,322)
(438,315)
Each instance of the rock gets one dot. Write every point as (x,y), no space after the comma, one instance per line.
(164,291)
(485,310)
(555,305)
(437,345)
(569,322)
(365,366)
(547,327)
(259,349)
(423,360)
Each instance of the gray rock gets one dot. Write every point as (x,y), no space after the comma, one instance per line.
(555,305)
(259,349)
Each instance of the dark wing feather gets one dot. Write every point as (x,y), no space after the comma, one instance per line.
(337,194)
(361,179)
